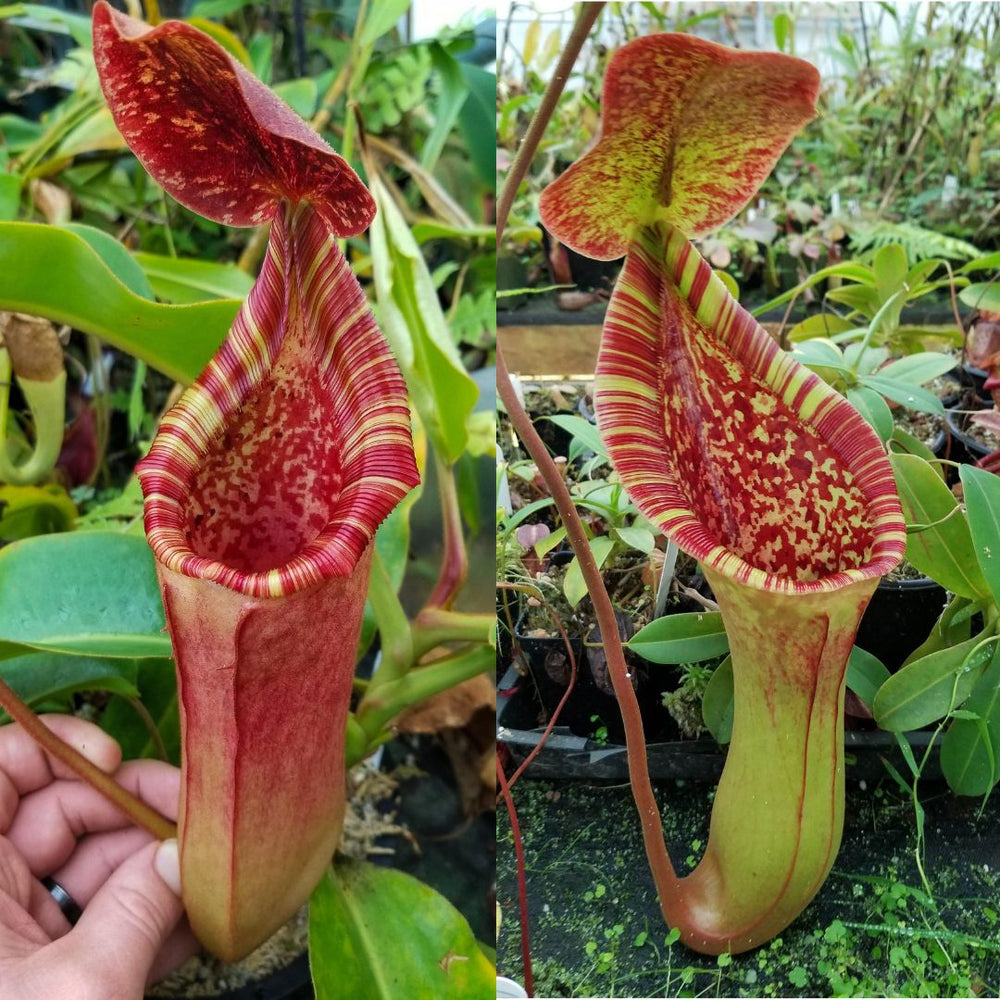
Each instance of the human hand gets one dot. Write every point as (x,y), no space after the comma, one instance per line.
(127,884)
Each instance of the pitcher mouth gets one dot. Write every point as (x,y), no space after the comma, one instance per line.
(278,464)
(745,458)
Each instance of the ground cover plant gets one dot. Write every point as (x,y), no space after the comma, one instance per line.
(265,485)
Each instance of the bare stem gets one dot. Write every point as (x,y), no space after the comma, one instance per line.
(666,880)
(136,810)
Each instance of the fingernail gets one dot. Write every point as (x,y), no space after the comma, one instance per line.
(168,864)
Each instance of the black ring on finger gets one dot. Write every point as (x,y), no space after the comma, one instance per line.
(69,906)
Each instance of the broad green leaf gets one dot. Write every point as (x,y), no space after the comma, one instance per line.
(847,269)
(10,196)
(984,263)
(682,638)
(918,368)
(861,298)
(969,748)
(583,432)
(982,502)
(37,677)
(301,95)
(358,916)
(821,353)
(943,548)
(925,690)
(381,19)
(865,674)
(890,267)
(574,586)
(913,396)
(904,443)
(873,408)
(531,39)
(451,95)
(157,690)
(717,702)
(984,296)
(414,324)
(783,30)
(96,133)
(18,133)
(36,15)
(91,593)
(476,121)
(186,280)
(176,340)
(822,325)
(954,626)
(549,542)
(218,8)
(122,264)
(641,539)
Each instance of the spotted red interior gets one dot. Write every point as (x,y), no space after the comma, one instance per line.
(763,481)
(270,483)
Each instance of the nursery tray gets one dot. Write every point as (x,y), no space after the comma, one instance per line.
(567,756)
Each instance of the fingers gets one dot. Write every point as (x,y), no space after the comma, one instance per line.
(49,822)
(127,923)
(26,767)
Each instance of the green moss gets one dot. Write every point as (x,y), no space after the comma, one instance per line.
(597,928)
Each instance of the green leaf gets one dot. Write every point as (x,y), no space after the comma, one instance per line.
(476,120)
(918,368)
(913,396)
(873,408)
(583,432)
(682,638)
(969,748)
(982,502)
(10,196)
(217,8)
(717,702)
(905,443)
(38,677)
(90,593)
(984,263)
(451,95)
(176,340)
(36,15)
(641,539)
(890,267)
(186,280)
(984,296)
(157,690)
(865,674)
(122,264)
(382,18)
(300,95)
(574,586)
(821,325)
(821,353)
(356,914)
(782,30)
(925,690)
(26,511)
(944,552)
(414,323)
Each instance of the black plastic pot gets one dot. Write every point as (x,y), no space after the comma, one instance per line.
(592,705)
(975,378)
(899,618)
(957,422)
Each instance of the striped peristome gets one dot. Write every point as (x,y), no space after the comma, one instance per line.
(748,460)
(276,466)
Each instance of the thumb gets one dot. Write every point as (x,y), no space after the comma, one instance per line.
(130,918)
